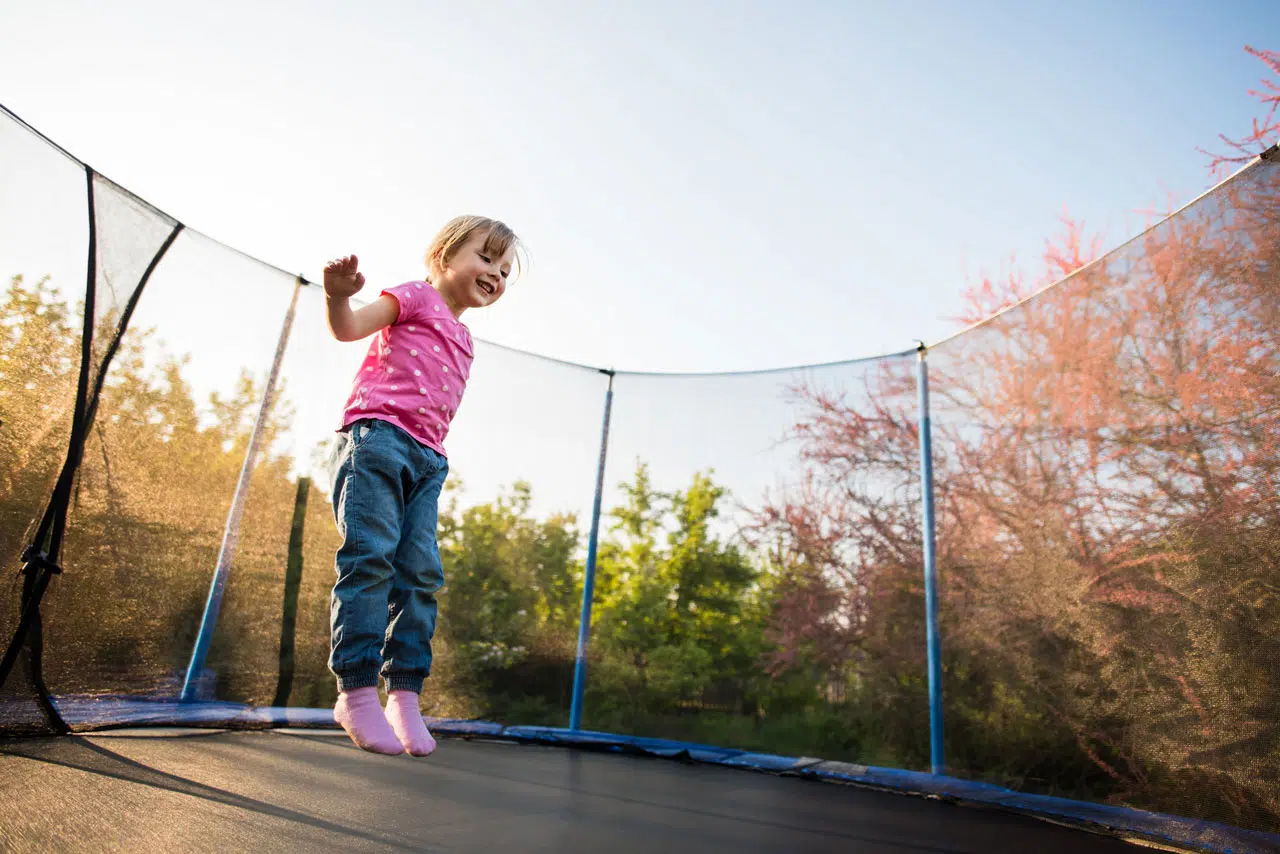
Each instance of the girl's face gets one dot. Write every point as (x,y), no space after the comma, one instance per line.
(473,277)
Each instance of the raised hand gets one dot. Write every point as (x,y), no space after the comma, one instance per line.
(342,279)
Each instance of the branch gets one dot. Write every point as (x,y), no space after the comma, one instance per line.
(1261,137)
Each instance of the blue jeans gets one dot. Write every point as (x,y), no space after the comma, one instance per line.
(383,607)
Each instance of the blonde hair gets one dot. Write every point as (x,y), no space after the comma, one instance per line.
(459,230)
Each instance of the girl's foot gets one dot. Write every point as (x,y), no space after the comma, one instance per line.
(406,720)
(361,716)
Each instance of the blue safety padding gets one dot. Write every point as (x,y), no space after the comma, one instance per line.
(1177,830)
(87,712)
(99,711)
(453,726)
(770,762)
(638,744)
(907,781)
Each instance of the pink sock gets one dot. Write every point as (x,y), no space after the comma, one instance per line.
(361,716)
(406,719)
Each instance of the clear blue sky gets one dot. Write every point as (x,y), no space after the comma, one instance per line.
(703,186)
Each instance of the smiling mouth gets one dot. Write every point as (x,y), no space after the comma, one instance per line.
(486,287)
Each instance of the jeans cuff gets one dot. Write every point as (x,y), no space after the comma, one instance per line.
(357,679)
(405,682)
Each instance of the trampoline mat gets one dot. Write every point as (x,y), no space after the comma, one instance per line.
(312,790)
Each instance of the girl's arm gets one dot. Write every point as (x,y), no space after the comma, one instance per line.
(342,280)
(349,325)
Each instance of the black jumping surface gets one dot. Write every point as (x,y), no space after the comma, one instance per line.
(299,790)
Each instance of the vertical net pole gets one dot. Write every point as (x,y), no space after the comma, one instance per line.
(930,567)
(231,533)
(589,575)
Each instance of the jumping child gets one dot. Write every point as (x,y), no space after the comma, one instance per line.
(390,468)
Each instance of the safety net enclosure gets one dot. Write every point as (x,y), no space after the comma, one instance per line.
(1033,565)
(1107,461)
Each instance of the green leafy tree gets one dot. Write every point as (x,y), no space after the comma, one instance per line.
(509,608)
(672,614)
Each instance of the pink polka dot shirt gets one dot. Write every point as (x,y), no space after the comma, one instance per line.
(416,369)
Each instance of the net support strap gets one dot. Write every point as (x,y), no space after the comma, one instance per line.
(41,557)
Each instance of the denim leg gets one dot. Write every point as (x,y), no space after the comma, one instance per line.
(418,577)
(368,501)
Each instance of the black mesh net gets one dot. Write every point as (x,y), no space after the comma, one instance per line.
(159,470)
(1109,523)
(522,456)
(126,239)
(739,569)
(44,222)
(1106,487)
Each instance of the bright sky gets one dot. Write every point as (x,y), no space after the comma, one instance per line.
(703,186)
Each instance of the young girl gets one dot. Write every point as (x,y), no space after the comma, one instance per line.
(390,468)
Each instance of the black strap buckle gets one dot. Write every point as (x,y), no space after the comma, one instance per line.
(33,559)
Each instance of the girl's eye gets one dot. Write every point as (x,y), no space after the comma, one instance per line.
(484,257)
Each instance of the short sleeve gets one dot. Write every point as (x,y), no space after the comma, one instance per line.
(412,299)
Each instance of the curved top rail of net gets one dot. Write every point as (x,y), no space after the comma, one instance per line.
(1101,260)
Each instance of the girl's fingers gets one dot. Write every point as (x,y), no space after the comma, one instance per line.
(342,266)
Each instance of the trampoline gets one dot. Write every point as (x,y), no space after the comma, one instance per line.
(961,598)
(312,790)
